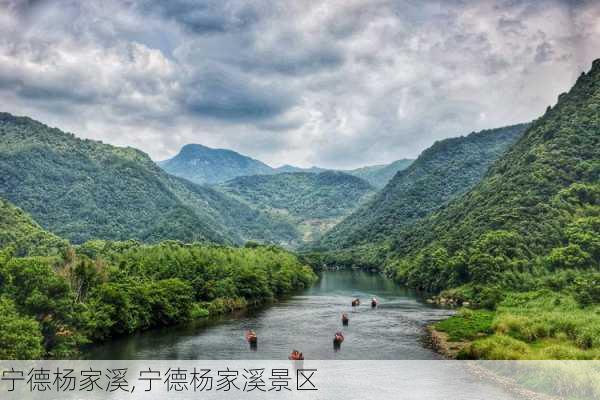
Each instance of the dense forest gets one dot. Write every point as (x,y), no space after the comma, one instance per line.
(24,235)
(503,221)
(204,165)
(524,241)
(54,299)
(380,175)
(441,173)
(83,189)
(312,201)
(201,164)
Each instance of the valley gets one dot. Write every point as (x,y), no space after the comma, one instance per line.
(98,242)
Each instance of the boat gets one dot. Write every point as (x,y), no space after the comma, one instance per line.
(373,302)
(355,302)
(345,319)
(251,337)
(338,338)
(296,356)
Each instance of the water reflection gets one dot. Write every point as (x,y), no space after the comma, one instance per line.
(307,322)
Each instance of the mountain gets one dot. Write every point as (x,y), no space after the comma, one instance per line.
(380,175)
(314,202)
(444,171)
(204,165)
(24,235)
(536,212)
(291,168)
(82,189)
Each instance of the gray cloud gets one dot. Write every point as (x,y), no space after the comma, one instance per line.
(232,97)
(338,83)
(207,17)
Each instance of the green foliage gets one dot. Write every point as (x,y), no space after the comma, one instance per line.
(314,202)
(380,175)
(203,165)
(466,325)
(104,289)
(533,221)
(25,236)
(154,285)
(586,289)
(83,189)
(39,292)
(497,347)
(443,172)
(198,311)
(20,337)
(544,189)
(538,324)
(122,308)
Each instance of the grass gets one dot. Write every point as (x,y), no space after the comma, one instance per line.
(467,325)
(538,325)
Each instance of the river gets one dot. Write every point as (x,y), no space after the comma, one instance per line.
(307,321)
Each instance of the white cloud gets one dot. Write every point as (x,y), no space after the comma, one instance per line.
(334,83)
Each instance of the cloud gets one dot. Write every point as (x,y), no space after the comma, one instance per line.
(338,83)
(230,96)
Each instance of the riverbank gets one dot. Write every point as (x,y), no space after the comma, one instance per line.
(538,325)
(53,306)
(531,379)
(306,321)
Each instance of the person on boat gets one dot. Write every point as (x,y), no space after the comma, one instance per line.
(345,319)
(373,302)
(356,302)
(338,338)
(296,356)
(251,336)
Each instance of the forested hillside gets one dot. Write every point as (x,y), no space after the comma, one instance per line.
(205,165)
(541,197)
(314,201)
(50,306)
(84,189)
(380,175)
(23,235)
(524,241)
(442,172)
(201,164)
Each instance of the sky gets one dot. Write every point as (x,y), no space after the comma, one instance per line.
(334,83)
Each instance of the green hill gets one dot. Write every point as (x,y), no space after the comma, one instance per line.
(380,175)
(24,235)
(204,165)
(201,164)
(83,189)
(537,207)
(315,202)
(442,172)
(524,242)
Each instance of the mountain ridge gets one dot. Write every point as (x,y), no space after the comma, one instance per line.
(311,201)
(212,166)
(535,211)
(82,189)
(442,172)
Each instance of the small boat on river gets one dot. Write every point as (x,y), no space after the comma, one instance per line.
(296,356)
(338,338)
(251,337)
(374,302)
(345,319)
(355,302)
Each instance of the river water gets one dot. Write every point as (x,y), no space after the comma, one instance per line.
(307,321)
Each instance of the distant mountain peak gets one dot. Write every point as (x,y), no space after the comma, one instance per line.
(205,165)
